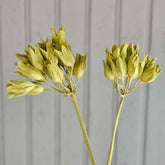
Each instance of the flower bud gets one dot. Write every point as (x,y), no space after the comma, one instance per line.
(114,47)
(55,73)
(79,66)
(43,44)
(150,71)
(23,58)
(130,51)
(136,49)
(133,66)
(150,74)
(141,66)
(150,64)
(108,72)
(22,87)
(48,54)
(61,34)
(30,72)
(35,57)
(54,35)
(116,53)
(66,56)
(121,68)
(111,65)
(108,54)
(59,38)
(123,50)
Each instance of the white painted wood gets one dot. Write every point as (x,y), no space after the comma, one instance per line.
(101,91)
(57,122)
(43,108)
(72,18)
(155,149)
(44,129)
(12,41)
(2,137)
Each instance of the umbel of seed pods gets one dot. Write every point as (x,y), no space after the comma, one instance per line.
(126,71)
(49,65)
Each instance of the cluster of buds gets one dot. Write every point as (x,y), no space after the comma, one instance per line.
(49,65)
(124,69)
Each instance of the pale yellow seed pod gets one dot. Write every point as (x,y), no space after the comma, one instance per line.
(109,55)
(55,73)
(35,57)
(61,33)
(108,52)
(121,68)
(116,53)
(59,38)
(112,65)
(22,87)
(114,47)
(150,64)
(123,51)
(141,66)
(50,55)
(130,51)
(79,66)
(108,72)
(150,74)
(54,34)
(23,58)
(133,66)
(43,43)
(30,72)
(37,89)
(136,49)
(66,56)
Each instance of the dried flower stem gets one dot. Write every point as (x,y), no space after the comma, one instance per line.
(114,132)
(83,129)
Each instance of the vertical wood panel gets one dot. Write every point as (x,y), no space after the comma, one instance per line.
(57,122)
(86,101)
(2,137)
(155,147)
(72,18)
(147,40)
(29,157)
(101,106)
(131,128)
(44,129)
(12,40)
(42,15)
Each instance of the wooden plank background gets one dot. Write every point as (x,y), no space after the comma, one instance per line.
(43,129)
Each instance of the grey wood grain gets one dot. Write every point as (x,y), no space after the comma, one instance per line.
(12,40)
(57,99)
(2,137)
(43,108)
(101,90)
(155,145)
(72,18)
(44,129)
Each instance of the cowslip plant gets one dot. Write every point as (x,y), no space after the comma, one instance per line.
(50,65)
(126,72)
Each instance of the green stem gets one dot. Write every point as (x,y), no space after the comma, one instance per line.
(83,129)
(114,133)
